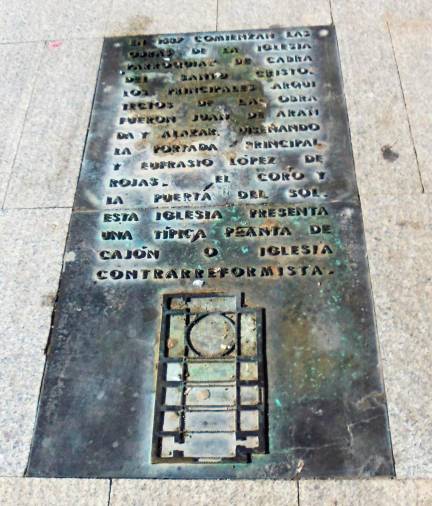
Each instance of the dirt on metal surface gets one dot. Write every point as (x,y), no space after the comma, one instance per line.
(215,318)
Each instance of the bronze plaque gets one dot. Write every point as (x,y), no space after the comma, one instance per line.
(214,317)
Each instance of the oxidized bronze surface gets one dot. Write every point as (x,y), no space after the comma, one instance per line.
(214,318)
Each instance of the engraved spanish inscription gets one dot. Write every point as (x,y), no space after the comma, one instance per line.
(214,318)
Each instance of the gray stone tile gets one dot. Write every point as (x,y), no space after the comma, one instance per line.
(32,20)
(358,493)
(200,493)
(412,41)
(76,19)
(15,88)
(32,249)
(49,155)
(383,151)
(37,492)
(161,16)
(399,234)
(267,13)
(399,10)
(21,21)
(424,492)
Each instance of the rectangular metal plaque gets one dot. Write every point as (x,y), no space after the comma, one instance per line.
(214,318)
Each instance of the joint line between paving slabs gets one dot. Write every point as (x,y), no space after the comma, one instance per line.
(36,208)
(109,491)
(331,11)
(406,108)
(37,41)
(298,492)
(35,78)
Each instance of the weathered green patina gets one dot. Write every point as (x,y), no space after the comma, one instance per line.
(216,320)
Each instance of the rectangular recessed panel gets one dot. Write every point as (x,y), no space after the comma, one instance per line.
(214,317)
(206,371)
(219,395)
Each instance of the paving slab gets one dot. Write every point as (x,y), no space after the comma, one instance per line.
(187,492)
(130,17)
(365,493)
(32,249)
(383,151)
(17,84)
(412,41)
(398,234)
(32,20)
(399,10)
(49,155)
(424,492)
(34,492)
(70,20)
(269,13)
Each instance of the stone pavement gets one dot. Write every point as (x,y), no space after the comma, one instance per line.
(49,52)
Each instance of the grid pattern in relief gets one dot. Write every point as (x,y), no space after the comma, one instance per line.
(210,396)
